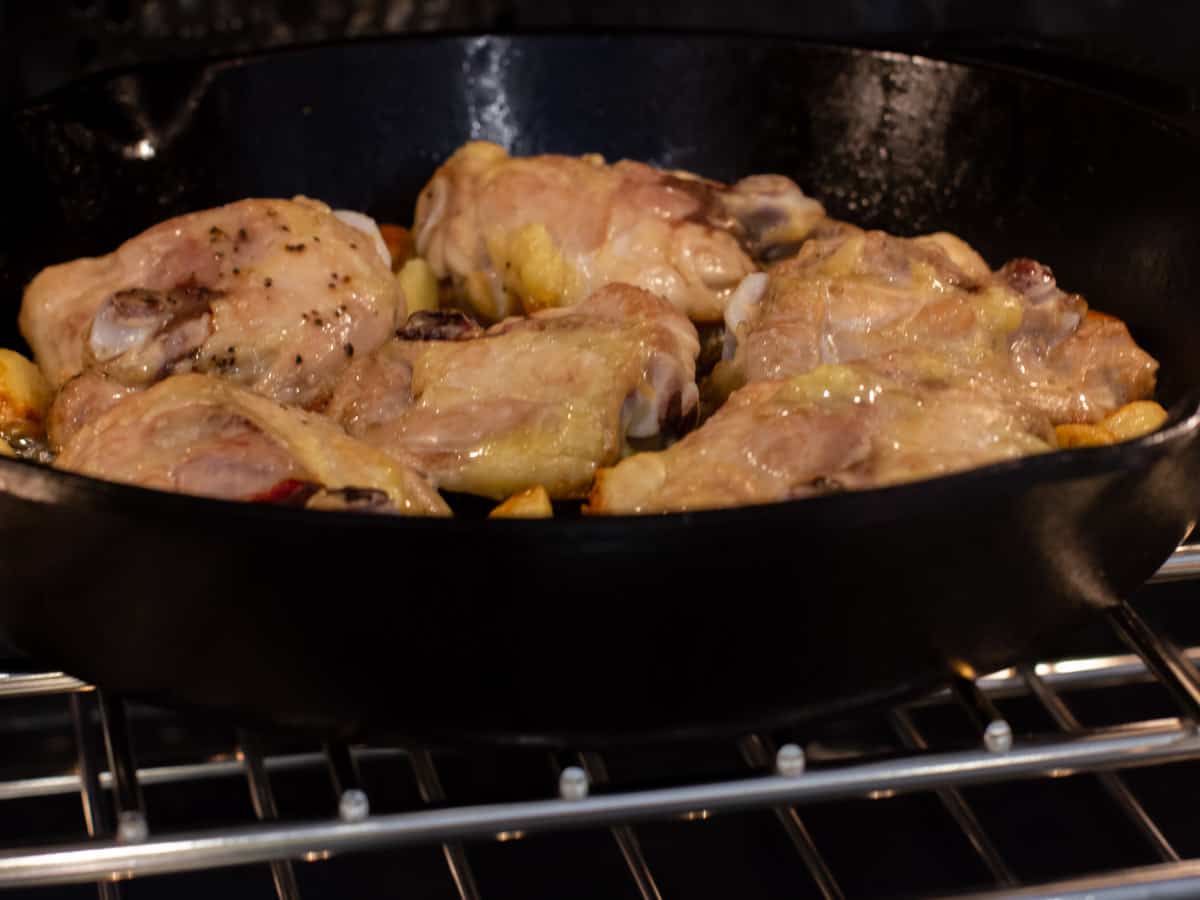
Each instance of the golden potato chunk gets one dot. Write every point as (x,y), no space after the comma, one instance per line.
(1072,436)
(1135,419)
(532,503)
(25,396)
(419,284)
(1130,421)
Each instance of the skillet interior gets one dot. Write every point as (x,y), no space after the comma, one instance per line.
(604,628)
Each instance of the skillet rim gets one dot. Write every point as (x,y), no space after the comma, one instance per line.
(896,499)
(1057,465)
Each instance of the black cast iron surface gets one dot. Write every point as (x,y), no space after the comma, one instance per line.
(605,629)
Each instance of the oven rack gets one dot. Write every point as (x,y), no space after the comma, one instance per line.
(123,845)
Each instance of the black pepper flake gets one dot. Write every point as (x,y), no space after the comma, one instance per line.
(345,279)
(317,239)
(271,212)
(267,282)
(349,349)
(299,359)
(303,317)
(284,228)
(294,248)
(215,234)
(341,309)
(230,350)
(237,271)
(319,322)
(331,286)
(353,246)
(243,234)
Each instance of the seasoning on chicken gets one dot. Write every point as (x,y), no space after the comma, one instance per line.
(523,234)
(271,294)
(544,400)
(860,295)
(837,427)
(198,434)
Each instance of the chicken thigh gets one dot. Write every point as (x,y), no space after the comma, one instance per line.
(836,427)
(522,234)
(544,400)
(84,398)
(860,295)
(201,435)
(274,295)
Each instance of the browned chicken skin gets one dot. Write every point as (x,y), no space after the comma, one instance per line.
(838,426)
(932,300)
(864,359)
(275,295)
(513,234)
(198,434)
(83,399)
(544,400)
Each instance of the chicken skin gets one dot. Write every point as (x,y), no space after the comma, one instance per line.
(523,234)
(201,435)
(544,400)
(275,295)
(262,350)
(836,427)
(84,398)
(865,295)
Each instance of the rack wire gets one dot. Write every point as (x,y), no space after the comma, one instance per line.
(122,842)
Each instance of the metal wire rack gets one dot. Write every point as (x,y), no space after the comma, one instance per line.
(789,779)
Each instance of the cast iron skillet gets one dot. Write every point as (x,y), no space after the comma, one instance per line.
(605,629)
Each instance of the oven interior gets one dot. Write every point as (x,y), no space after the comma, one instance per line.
(1071,777)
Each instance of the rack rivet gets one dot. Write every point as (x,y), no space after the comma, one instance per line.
(790,760)
(573,783)
(354,805)
(997,737)
(132,827)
